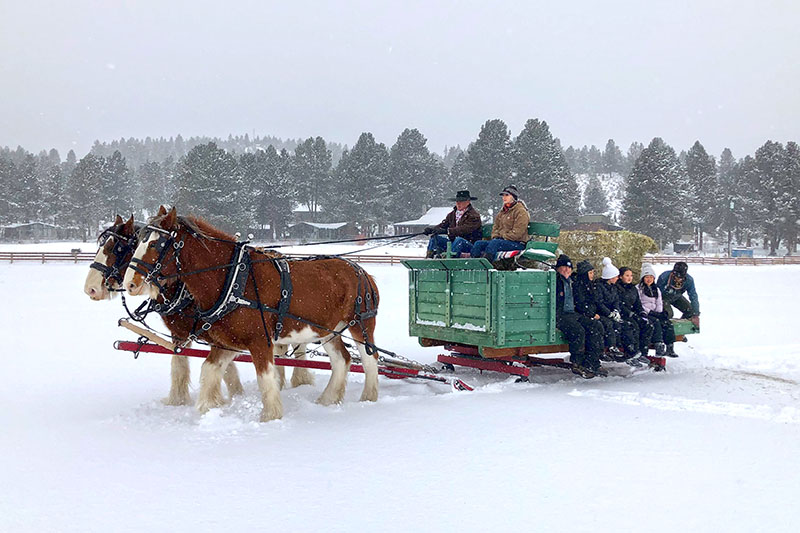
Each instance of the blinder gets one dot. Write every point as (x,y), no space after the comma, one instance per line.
(165,242)
(122,247)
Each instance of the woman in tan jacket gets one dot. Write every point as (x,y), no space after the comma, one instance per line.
(510,230)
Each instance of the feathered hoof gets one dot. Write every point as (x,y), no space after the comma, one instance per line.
(235,389)
(177,399)
(369,395)
(271,413)
(203,406)
(330,399)
(302,376)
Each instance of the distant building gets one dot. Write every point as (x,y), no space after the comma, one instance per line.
(592,223)
(433,216)
(308,231)
(301,213)
(37,231)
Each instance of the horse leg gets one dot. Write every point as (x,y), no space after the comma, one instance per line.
(179,388)
(300,375)
(211,373)
(268,382)
(279,351)
(232,381)
(340,365)
(368,362)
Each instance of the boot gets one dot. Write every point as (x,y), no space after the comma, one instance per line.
(616,353)
(670,351)
(582,371)
(429,254)
(661,349)
(600,371)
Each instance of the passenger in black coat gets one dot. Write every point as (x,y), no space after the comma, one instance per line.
(633,313)
(584,336)
(607,302)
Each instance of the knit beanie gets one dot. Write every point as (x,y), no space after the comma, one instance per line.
(648,270)
(585,267)
(563,260)
(609,270)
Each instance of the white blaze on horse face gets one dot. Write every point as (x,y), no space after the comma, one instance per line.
(133,281)
(95,285)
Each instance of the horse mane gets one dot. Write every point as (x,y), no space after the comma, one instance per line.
(198,225)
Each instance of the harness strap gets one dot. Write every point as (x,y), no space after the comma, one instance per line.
(282,266)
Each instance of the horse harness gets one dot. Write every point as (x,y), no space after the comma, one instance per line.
(232,294)
(122,246)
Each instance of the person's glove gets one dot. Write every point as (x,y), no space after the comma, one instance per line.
(439,231)
(696,321)
(429,230)
(615,316)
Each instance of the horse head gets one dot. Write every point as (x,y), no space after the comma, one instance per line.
(156,257)
(116,246)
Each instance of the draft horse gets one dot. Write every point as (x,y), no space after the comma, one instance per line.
(274,302)
(116,246)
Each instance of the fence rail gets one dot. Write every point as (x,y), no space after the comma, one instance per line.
(84,257)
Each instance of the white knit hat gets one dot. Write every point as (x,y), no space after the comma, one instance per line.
(609,270)
(648,270)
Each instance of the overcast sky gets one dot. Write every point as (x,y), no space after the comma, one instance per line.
(726,73)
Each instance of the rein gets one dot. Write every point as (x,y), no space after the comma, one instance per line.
(401,237)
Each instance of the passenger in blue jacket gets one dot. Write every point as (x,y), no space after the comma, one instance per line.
(673,284)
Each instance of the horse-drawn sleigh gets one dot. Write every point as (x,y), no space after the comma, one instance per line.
(254,305)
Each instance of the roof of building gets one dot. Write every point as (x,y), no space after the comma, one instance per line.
(318,225)
(433,216)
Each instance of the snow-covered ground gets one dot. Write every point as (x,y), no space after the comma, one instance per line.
(712,444)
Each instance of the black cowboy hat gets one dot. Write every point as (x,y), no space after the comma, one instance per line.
(462,196)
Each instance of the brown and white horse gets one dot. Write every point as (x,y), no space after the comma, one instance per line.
(325,296)
(118,243)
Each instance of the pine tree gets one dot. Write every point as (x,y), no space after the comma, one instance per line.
(704,197)
(595,161)
(84,193)
(792,223)
(8,179)
(152,179)
(489,161)
(311,170)
(29,194)
(771,163)
(116,187)
(594,199)
(451,154)
(728,176)
(362,188)
(634,151)
(749,204)
(652,205)
(543,177)
(268,178)
(613,161)
(415,177)
(206,187)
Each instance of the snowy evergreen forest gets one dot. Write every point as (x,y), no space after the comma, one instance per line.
(242,183)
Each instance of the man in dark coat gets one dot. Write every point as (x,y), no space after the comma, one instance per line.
(461,226)
(584,335)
